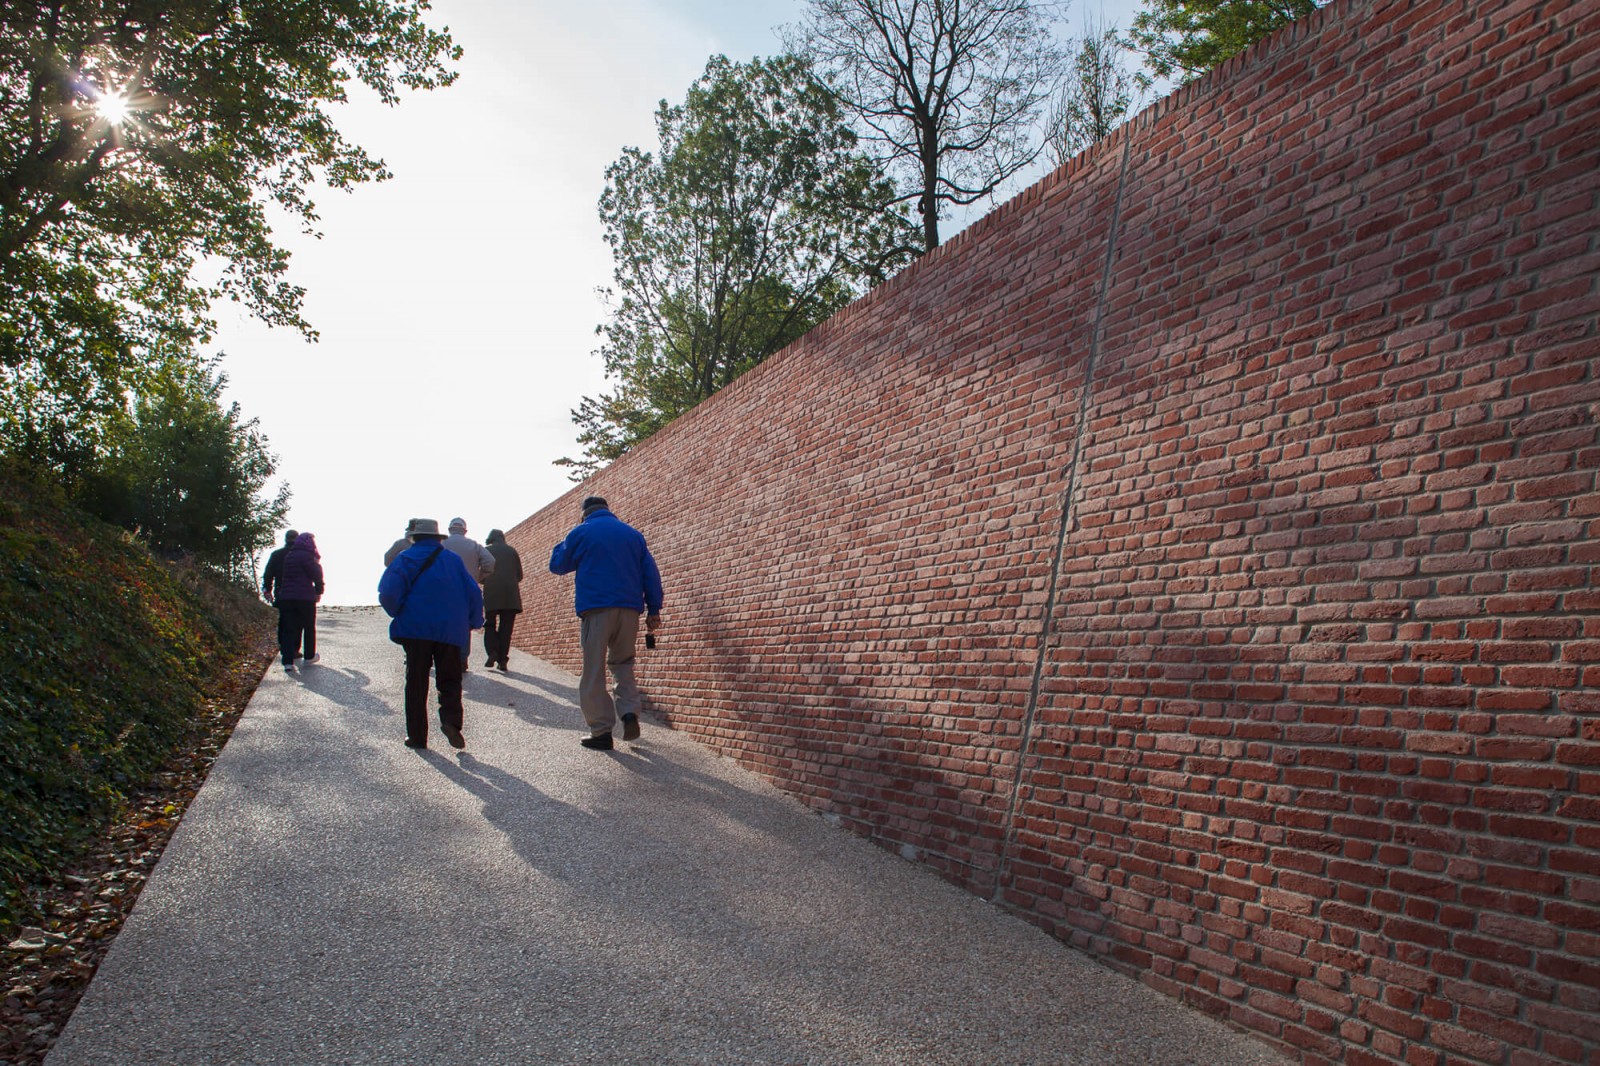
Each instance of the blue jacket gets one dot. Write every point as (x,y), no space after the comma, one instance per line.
(614,567)
(444,604)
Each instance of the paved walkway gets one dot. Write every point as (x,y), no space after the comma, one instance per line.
(334,897)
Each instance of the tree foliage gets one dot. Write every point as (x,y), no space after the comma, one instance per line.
(1095,97)
(755,220)
(950,90)
(1185,38)
(189,476)
(141,147)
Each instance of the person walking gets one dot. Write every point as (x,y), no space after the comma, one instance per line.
(502,600)
(400,545)
(479,563)
(435,605)
(272,573)
(299,588)
(617,580)
(271,576)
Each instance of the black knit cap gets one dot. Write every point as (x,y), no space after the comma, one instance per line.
(593,503)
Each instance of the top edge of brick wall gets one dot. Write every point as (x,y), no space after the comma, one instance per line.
(1215,82)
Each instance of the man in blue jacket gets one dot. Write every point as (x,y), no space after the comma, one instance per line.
(435,605)
(617,580)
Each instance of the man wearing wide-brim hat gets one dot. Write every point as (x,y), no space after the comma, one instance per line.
(435,605)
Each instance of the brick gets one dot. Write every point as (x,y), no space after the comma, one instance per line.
(1316,692)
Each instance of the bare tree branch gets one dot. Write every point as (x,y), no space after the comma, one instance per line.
(950,90)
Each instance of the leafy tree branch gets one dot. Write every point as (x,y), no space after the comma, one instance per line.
(756,219)
(1182,39)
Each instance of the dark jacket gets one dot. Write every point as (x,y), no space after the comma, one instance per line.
(272,573)
(440,603)
(502,589)
(613,564)
(301,578)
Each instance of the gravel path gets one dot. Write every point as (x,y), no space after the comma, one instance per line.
(334,897)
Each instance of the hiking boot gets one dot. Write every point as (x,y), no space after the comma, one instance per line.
(599,743)
(630,727)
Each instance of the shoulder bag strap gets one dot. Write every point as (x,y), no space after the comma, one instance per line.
(421,570)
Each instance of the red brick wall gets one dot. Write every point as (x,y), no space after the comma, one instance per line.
(1272,422)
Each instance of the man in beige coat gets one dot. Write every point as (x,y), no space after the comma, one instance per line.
(402,544)
(478,560)
(480,563)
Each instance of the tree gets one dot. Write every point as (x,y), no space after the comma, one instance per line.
(1186,38)
(141,146)
(757,219)
(189,477)
(1096,97)
(951,90)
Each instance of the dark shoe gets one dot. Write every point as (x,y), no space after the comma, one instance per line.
(630,727)
(504,666)
(599,743)
(453,735)
(416,743)
(489,665)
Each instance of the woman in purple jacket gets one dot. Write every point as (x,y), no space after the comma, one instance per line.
(299,589)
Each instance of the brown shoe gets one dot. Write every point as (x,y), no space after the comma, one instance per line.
(630,727)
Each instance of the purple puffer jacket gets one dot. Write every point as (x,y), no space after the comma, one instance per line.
(302,573)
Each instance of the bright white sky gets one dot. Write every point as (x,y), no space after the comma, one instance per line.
(457,302)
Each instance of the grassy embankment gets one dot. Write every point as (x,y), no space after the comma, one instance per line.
(110,661)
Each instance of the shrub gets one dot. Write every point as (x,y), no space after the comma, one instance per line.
(103,652)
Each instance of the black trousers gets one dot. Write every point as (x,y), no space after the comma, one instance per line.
(297,625)
(497,634)
(444,660)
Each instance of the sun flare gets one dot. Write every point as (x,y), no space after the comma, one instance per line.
(111,108)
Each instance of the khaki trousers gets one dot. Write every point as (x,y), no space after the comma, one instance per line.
(607,635)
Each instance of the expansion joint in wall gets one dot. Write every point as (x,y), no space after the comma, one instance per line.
(1068,513)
